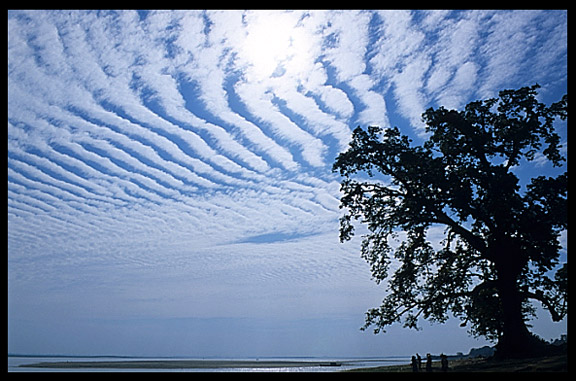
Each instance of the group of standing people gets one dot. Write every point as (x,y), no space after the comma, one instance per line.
(417,363)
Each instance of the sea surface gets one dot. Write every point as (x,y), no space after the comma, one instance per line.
(347,363)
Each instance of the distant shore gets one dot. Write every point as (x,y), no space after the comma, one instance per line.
(179,364)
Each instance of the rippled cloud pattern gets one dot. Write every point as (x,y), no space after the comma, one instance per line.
(178,163)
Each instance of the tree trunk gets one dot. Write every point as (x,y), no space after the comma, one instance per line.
(516,341)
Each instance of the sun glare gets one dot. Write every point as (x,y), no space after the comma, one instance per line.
(275,44)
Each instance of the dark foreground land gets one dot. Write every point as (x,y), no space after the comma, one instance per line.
(556,363)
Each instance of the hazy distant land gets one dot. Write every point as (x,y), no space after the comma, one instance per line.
(180,364)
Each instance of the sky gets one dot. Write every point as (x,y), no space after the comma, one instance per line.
(169,172)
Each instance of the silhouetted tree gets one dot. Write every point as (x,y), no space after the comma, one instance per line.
(501,239)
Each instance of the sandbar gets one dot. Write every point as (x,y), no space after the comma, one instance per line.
(178,364)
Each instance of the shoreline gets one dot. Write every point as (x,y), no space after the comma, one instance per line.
(180,364)
(554,363)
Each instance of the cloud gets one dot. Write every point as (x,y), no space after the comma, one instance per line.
(260,103)
(408,90)
(159,158)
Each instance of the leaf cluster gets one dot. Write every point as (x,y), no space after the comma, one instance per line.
(462,178)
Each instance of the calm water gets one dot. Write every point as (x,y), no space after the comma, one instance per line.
(347,363)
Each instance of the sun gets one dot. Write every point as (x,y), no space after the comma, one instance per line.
(275,44)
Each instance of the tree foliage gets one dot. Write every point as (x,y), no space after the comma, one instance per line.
(500,238)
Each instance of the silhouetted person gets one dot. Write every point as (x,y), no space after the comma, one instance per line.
(419,362)
(428,363)
(444,362)
(414,364)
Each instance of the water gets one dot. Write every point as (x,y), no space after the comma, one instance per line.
(347,363)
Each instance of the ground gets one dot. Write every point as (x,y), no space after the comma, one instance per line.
(556,363)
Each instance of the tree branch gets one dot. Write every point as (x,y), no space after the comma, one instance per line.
(474,241)
(556,316)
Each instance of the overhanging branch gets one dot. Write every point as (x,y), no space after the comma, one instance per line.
(556,316)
